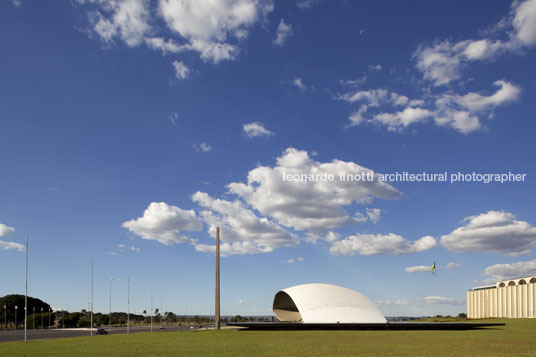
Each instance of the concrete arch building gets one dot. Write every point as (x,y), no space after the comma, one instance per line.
(324,303)
(514,298)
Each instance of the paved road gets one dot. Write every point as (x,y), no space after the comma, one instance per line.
(12,335)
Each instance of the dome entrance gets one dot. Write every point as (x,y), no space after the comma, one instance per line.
(285,309)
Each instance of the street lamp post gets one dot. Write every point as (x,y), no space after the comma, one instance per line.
(16,308)
(34,317)
(41,318)
(110,317)
(5,318)
(49,311)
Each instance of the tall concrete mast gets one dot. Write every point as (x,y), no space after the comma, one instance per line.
(217,308)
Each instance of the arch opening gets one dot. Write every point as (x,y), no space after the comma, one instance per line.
(522,282)
(502,285)
(285,309)
(512,283)
(532,281)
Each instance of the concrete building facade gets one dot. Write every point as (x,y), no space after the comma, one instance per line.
(515,298)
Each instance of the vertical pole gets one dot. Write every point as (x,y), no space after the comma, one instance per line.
(435,293)
(217,309)
(26,293)
(110,316)
(91,316)
(151,307)
(128,306)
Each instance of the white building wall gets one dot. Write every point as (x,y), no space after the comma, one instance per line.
(508,299)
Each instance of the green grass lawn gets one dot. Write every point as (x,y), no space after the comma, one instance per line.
(518,337)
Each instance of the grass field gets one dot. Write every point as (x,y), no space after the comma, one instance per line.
(518,337)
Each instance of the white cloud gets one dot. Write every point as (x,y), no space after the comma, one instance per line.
(300,259)
(317,206)
(126,19)
(284,31)
(181,70)
(203,147)
(374,214)
(476,102)
(173,117)
(209,25)
(354,82)
(495,232)
(375,67)
(453,265)
(419,269)
(240,302)
(5,230)
(16,3)
(389,302)
(402,119)
(169,46)
(443,300)
(522,269)
(524,21)
(460,112)
(298,82)
(11,245)
(164,223)
(442,62)
(256,129)
(306,4)
(214,29)
(378,244)
(374,98)
(242,231)
(290,261)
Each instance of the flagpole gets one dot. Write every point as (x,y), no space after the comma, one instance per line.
(91,318)
(26,293)
(435,293)
(128,306)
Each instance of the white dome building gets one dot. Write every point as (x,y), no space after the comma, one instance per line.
(324,303)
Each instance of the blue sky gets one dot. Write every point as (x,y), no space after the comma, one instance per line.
(130,129)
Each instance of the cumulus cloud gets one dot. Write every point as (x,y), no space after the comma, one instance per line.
(419,269)
(442,62)
(256,129)
(242,231)
(124,19)
(181,70)
(374,214)
(317,206)
(165,224)
(500,272)
(453,265)
(378,244)
(5,230)
(494,232)
(284,31)
(524,21)
(214,29)
(460,112)
(11,245)
(443,300)
(375,98)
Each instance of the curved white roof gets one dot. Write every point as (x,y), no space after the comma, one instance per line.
(325,303)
